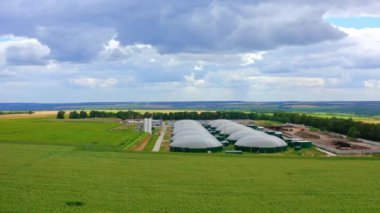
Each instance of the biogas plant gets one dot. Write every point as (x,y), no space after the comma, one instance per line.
(230,136)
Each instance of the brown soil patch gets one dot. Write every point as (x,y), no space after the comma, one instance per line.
(310,135)
(141,145)
(327,138)
(34,115)
(344,145)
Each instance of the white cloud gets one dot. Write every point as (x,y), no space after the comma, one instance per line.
(276,82)
(251,58)
(192,81)
(199,66)
(22,50)
(94,82)
(372,84)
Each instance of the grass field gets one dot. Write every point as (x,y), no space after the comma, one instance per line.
(365,119)
(49,165)
(41,178)
(85,134)
(266,123)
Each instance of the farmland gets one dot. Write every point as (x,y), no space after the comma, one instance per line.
(85,165)
(362,118)
(41,178)
(84,134)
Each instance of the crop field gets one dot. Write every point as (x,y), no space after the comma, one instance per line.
(49,165)
(85,134)
(38,114)
(43,178)
(267,123)
(365,119)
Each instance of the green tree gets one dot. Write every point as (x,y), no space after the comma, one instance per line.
(74,115)
(83,114)
(61,115)
(353,132)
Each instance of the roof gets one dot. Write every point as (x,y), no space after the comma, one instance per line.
(191,134)
(260,141)
(243,133)
(196,142)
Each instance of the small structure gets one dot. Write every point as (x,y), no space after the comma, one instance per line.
(148,125)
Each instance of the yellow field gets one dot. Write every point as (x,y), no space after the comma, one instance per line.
(169,110)
(38,114)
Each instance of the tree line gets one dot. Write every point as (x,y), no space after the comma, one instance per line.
(165,115)
(339,125)
(15,112)
(344,126)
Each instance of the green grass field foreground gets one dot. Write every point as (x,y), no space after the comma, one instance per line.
(49,165)
(42,178)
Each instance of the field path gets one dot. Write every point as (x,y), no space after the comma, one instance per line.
(141,145)
(34,115)
(329,154)
(157,146)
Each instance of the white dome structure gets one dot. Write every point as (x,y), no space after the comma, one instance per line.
(232,129)
(243,133)
(191,136)
(261,143)
(196,142)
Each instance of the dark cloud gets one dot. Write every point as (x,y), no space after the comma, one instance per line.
(76,30)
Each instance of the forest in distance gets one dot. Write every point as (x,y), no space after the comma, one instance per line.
(349,127)
(371,108)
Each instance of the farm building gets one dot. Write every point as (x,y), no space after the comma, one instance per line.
(300,143)
(249,139)
(191,136)
(261,143)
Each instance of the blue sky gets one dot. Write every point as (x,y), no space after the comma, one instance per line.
(173,50)
(355,22)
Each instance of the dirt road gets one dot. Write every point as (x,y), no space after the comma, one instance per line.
(157,146)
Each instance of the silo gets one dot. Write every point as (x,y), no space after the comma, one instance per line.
(149,125)
(145,125)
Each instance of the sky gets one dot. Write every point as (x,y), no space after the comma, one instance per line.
(201,50)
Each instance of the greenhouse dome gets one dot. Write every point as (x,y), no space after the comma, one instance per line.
(195,143)
(261,143)
(191,136)
(241,134)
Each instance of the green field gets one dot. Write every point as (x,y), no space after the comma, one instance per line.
(86,134)
(49,165)
(365,119)
(266,123)
(41,178)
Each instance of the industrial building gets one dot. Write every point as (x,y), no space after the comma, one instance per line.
(261,143)
(299,143)
(248,138)
(191,136)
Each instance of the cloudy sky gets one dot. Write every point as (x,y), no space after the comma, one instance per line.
(174,50)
